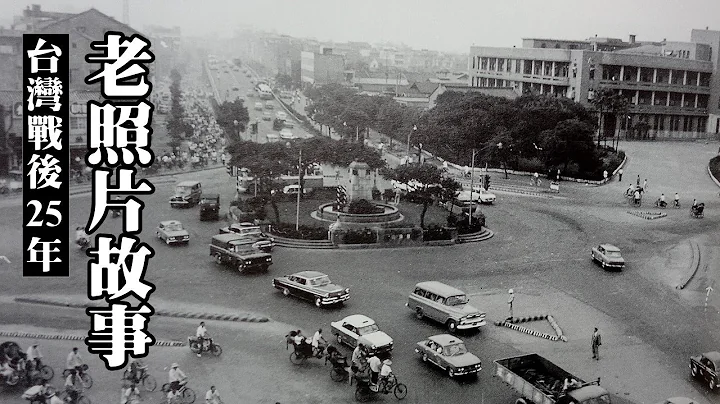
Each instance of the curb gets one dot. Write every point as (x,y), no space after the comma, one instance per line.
(715,180)
(242,317)
(70,337)
(648,215)
(512,324)
(694,265)
(482,235)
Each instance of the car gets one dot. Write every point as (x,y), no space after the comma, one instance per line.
(269,104)
(210,207)
(187,194)
(314,286)
(236,88)
(457,206)
(272,137)
(250,231)
(266,116)
(250,93)
(679,400)
(360,329)
(445,304)
(608,256)
(288,124)
(480,194)
(707,368)
(286,134)
(449,354)
(281,115)
(258,106)
(293,189)
(237,251)
(172,232)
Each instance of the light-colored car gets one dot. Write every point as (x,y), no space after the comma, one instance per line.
(608,256)
(172,232)
(286,134)
(262,241)
(358,328)
(281,115)
(258,106)
(293,189)
(446,305)
(273,137)
(449,354)
(479,194)
(314,286)
(679,400)
(269,104)
(266,116)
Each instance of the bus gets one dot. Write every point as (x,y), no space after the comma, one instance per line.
(264,91)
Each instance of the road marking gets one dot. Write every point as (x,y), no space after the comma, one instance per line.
(707,295)
(4,258)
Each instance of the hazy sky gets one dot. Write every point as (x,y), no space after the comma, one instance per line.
(451,25)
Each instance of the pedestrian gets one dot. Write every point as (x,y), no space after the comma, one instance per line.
(645,185)
(510,302)
(536,178)
(638,180)
(605,175)
(620,175)
(558,175)
(596,341)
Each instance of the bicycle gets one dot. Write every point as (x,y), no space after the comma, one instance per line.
(85,377)
(79,399)
(364,393)
(143,377)
(187,394)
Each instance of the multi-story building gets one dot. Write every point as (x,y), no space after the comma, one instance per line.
(672,87)
(324,67)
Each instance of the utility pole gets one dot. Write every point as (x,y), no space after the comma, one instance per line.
(408,144)
(472,175)
(297,207)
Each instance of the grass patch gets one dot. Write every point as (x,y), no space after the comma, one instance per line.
(715,167)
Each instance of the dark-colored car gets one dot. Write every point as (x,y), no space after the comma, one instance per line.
(210,207)
(449,354)
(187,194)
(314,286)
(706,367)
(237,251)
(261,241)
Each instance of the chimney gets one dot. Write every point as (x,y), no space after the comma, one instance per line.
(632,38)
(35,7)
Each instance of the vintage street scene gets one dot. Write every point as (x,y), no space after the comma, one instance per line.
(315,202)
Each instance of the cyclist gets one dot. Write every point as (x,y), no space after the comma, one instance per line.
(34,357)
(212,396)
(202,335)
(385,373)
(176,377)
(74,362)
(676,201)
(72,390)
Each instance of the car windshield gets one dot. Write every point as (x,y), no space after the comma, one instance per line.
(206,200)
(322,281)
(455,349)
(613,254)
(456,300)
(173,227)
(368,329)
(182,191)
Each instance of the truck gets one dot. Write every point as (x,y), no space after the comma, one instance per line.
(540,381)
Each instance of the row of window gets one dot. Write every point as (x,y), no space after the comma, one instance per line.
(655,75)
(534,67)
(674,123)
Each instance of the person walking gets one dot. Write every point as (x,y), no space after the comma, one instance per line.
(511,299)
(645,185)
(638,180)
(620,172)
(596,341)
(605,175)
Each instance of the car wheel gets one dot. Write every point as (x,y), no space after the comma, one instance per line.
(218,258)
(318,302)
(419,313)
(424,357)
(712,384)
(452,326)
(286,292)
(451,372)
(167,241)
(693,371)
(339,339)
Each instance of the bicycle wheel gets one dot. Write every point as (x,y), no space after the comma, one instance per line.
(400,391)
(66,373)
(83,400)
(149,383)
(47,373)
(337,375)
(86,380)
(362,394)
(165,388)
(296,359)
(216,350)
(188,395)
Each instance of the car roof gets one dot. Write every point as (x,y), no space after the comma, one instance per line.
(713,356)
(187,183)
(439,288)
(211,196)
(445,339)
(228,237)
(679,400)
(309,274)
(359,320)
(169,222)
(609,247)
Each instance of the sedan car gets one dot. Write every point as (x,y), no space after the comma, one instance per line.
(679,400)
(482,195)
(266,116)
(314,286)
(172,232)
(608,256)
(286,134)
(359,329)
(449,354)
(706,367)
(261,241)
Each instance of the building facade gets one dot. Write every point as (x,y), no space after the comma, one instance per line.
(319,68)
(671,87)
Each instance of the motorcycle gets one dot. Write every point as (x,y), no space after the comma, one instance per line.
(660,204)
(697,211)
(207,346)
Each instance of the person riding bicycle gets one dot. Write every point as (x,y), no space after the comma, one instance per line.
(34,357)
(212,396)
(135,370)
(130,394)
(385,372)
(74,363)
(202,335)
(636,197)
(375,368)
(661,201)
(176,378)
(676,201)
(318,342)
(72,389)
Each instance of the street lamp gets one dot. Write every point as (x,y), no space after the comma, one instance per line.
(472,185)
(297,204)
(237,130)
(408,143)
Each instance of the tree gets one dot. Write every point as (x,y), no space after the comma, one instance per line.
(608,101)
(429,178)
(571,141)
(229,112)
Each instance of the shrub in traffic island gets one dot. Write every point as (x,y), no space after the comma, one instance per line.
(376,194)
(399,233)
(388,195)
(435,233)
(363,236)
(303,232)
(460,221)
(715,167)
(364,207)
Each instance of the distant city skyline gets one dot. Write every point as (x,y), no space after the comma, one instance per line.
(450,26)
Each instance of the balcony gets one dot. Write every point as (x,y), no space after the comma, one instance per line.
(643,86)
